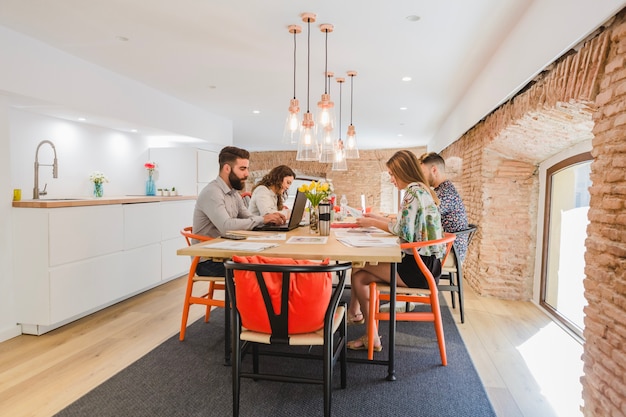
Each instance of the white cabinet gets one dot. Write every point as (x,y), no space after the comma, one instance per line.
(184,168)
(176,216)
(72,261)
(208,165)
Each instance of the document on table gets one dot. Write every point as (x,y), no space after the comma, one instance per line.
(308,240)
(268,236)
(359,241)
(240,245)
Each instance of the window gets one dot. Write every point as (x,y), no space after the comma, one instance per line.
(565,231)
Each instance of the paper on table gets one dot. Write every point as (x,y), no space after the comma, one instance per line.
(268,236)
(368,241)
(354,212)
(240,245)
(308,240)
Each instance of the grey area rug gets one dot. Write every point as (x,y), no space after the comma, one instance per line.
(189,379)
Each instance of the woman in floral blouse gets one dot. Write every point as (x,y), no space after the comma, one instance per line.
(418,220)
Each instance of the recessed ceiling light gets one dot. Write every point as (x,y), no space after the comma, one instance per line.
(134,130)
(403,108)
(256,111)
(81,119)
(406,78)
(413,18)
(400,135)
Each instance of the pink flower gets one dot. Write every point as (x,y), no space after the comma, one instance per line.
(150,166)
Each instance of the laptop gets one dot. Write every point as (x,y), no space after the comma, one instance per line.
(294,220)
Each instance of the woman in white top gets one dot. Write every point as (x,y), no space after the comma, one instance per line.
(267,194)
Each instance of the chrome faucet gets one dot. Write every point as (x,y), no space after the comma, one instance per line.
(54,165)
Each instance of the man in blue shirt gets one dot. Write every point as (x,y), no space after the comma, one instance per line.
(451,207)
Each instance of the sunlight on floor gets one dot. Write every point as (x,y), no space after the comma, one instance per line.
(556,365)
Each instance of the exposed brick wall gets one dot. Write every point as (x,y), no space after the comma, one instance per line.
(362,177)
(494,166)
(604,380)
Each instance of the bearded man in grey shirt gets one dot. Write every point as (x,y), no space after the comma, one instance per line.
(220,208)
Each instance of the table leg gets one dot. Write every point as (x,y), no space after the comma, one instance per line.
(391,370)
(227,332)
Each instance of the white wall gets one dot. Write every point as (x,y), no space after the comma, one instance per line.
(34,70)
(8,327)
(81,149)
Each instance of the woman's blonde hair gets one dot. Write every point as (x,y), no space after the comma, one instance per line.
(405,166)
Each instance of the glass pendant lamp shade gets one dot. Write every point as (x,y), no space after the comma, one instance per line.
(308,149)
(352,151)
(339,159)
(351,148)
(327,135)
(325,107)
(292,123)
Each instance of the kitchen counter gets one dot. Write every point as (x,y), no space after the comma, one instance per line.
(80,202)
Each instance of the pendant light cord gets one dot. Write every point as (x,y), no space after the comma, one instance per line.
(308,72)
(326,78)
(351,96)
(294,64)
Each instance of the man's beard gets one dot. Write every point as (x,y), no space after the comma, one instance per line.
(235,182)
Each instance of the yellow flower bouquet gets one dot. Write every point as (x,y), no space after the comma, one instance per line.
(315,192)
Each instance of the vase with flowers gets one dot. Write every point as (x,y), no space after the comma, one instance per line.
(150,185)
(98,178)
(315,192)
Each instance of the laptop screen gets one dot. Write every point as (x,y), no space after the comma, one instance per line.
(298,209)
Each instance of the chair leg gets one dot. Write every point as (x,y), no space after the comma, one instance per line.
(209,295)
(438,322)
(236,369)
(371,320)
(460,285)
(343,356)
(183,324)
(452,284)
(327,376)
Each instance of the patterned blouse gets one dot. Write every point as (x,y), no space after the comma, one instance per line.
(419,220)
(453,215)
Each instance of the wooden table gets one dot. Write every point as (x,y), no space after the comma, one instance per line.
(333,250)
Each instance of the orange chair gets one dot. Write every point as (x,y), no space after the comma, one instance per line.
(246,196)
(380,291)
(215,284)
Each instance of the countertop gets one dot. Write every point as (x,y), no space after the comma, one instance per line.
(80,202)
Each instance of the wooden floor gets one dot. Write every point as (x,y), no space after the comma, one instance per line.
(529,366)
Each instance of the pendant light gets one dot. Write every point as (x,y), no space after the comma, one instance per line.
(352,151)
(339,160)
(327,139)
(308,149)
(292,124)
(325,113)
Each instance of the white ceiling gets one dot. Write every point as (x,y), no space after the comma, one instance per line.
(465,57)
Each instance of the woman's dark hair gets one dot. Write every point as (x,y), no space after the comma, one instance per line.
(274,180)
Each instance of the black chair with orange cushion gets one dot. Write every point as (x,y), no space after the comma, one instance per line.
(207,298)
(279,301)
(430,296)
